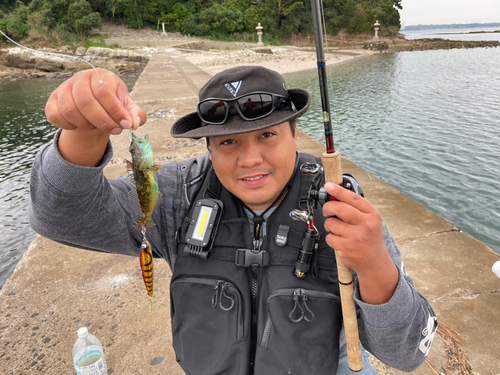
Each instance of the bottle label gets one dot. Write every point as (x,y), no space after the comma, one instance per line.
(90,361)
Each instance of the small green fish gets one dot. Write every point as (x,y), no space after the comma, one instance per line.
(142,170)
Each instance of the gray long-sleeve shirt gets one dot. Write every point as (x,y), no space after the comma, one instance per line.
(78,206)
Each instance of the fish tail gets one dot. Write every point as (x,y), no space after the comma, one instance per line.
(144,223)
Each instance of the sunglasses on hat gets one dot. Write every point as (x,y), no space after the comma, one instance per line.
(250,106)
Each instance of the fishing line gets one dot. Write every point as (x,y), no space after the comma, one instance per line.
(53,53)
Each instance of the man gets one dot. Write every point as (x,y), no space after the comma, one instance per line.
(237,307)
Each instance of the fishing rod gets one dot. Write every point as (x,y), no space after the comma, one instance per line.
(332,163)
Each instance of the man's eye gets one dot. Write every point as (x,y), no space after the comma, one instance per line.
(227,142)
(267,135)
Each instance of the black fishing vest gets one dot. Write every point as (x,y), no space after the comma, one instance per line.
(242,311)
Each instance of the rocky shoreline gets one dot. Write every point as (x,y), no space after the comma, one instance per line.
(21,63)
(401,45)
(18,63)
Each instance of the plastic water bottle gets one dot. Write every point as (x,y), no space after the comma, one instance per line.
(88,355)
(496,268)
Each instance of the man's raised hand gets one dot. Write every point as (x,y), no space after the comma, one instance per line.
(91,103)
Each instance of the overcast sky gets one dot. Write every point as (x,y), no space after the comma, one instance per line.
(427,12)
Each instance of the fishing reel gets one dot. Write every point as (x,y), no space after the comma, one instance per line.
(305,213)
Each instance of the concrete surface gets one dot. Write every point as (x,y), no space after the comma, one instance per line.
(56,289)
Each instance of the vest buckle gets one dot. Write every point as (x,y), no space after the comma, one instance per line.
(247,258)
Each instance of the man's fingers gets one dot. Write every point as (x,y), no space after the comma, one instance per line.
(69,111)
(55,116)
(348,197)
(112,94)
(90,102)
(338,227)
(137,114)
(339,244)
(343,211)
(96,100)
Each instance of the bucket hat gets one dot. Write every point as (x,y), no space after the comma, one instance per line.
(233,84)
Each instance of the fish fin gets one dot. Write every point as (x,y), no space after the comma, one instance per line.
(131,180)
(130,175)
(130,167)
(133,200)
(159,198)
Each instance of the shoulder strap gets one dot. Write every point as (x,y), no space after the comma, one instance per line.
(214,186)
(307,179)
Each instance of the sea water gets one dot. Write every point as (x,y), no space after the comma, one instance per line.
(426,123)
(23,130)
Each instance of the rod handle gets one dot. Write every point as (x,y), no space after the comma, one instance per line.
(333,173)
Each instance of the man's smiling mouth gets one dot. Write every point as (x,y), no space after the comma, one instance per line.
(253,178)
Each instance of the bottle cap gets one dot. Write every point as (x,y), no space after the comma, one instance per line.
(83,332)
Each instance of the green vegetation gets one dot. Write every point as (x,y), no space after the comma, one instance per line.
(71,20)
(97,41)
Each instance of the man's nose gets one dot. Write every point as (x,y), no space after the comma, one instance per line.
(250,155)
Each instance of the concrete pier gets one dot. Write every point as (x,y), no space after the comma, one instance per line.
(57,289)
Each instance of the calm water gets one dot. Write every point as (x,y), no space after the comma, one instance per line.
(469,34)
(23,129)
(426,123)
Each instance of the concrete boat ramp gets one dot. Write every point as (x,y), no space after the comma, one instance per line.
(56,289)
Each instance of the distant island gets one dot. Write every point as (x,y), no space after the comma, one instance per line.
(450,26)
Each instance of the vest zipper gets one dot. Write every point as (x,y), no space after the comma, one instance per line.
(254,287)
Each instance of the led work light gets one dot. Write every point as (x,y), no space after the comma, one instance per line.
(203,227)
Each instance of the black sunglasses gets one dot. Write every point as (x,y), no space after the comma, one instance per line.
(252,106)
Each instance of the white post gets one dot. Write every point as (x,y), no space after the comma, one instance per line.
(163,26)
(259,33)
(376,30)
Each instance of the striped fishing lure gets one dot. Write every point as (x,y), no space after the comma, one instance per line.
(147,268)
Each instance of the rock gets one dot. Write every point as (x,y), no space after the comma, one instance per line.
(18,57)
(49,67)
(75,65)
(376,45)
(57,65)
(135,56)
(263,50)
(23,65)
(431,44)
(156,361)
(80,51)
(107,53)
(198,45)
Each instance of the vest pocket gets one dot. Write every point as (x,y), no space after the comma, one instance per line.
(207,325)
(300,334)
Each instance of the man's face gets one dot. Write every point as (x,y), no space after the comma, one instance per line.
(256,166)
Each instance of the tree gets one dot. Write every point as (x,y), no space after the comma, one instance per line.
(174,19)
(285,7)
(81,18)
(14,23)
(222,20)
